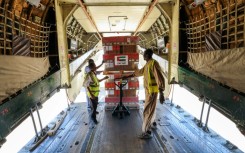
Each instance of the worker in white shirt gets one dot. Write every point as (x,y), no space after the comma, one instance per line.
(92,84)
(87,70)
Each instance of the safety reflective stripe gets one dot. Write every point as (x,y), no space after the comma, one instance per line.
(152,84)
(95,86)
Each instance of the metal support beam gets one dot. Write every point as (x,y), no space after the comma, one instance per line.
(165,14)
(171,104)
(199,123)
(173,54)
(62,43)
(42,133)
(89,17)
(39,137)
(205,128)
(146,15)
(34,123)
(39,118)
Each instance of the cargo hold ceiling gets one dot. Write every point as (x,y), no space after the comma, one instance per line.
(126,18)
(115,16)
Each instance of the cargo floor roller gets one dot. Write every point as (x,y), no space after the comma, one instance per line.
(120,109)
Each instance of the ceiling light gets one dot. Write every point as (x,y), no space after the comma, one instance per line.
(116,12)
(117,23)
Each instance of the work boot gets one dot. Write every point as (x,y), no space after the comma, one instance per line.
(146,135)
(154,126)
(95,120)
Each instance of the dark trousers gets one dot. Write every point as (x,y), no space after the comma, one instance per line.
(94,103)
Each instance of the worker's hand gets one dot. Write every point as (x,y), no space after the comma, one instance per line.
(161,98)
(124,77)
(135,66)
(128,76)
(103,62)
(106,77)
(92,96)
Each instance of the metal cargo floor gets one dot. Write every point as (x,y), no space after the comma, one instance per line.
(177,132)
(120,135)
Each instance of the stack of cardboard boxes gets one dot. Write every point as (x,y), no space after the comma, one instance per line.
(121,58)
